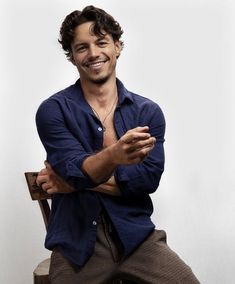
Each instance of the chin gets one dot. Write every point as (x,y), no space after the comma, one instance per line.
(100,81)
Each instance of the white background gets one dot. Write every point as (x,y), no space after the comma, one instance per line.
(179,53)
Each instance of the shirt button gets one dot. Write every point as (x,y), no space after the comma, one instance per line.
(100,128)
(94,223)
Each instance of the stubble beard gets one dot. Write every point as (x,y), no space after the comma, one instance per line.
(103,79)
(100,81)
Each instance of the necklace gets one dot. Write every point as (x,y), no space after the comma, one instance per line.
(107,115)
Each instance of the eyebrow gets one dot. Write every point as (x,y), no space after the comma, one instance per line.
(79,44)
(84,43)
(102,37)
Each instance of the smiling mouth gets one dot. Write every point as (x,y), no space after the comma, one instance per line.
(95,65)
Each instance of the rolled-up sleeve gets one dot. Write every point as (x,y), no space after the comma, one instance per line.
(65,151)
(144,178)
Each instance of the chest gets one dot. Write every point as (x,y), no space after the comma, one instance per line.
(86,128)
(109,136)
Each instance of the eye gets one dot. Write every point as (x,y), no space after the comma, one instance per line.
(80,49)
(102,43)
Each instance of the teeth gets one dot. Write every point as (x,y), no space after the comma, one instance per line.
(95,64)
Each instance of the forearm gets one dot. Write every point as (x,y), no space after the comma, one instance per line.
(131,148)
(110,187)
(100,167)
(52,183)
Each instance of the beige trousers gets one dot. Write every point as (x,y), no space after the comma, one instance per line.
(153,262)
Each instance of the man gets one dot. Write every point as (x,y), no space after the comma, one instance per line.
(105,156)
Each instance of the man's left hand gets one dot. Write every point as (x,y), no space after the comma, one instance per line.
(50,182)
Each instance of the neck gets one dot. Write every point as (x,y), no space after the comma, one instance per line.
(100,96)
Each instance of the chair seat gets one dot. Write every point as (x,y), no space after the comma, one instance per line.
(41,272)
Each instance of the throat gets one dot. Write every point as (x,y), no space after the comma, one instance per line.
(104,114)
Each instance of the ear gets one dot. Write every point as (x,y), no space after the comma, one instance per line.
(71,58)
(118,48)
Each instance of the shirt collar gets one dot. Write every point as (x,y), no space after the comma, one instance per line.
(123,94)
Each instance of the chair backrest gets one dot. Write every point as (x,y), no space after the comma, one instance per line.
(37,193)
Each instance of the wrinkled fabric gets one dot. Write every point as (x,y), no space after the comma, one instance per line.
(70,132)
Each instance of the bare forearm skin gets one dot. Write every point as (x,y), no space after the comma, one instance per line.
(110,187)
(131,148)
(100,167)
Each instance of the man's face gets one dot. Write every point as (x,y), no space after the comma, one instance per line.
(95,57)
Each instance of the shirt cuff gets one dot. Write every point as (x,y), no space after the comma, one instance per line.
(71,171)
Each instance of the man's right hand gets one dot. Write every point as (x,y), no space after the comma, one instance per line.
(133,147)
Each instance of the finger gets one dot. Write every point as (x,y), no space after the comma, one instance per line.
(43,172)
(135,136)
(141,154)
(46,186)
(51,191)
(142,144)
(139,129)
(138,145)
(41,179)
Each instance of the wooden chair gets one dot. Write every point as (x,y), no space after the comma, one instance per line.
(41,272)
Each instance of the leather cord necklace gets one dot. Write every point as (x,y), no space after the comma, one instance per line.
(103,121)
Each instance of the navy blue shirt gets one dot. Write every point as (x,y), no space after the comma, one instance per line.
(70,132)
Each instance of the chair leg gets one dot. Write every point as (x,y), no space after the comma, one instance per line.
(41,273)
(42,279)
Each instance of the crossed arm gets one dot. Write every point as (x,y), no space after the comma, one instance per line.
(132,148)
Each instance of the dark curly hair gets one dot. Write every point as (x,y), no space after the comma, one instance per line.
(103,23)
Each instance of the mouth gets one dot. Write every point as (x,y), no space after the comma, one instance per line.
(96,64)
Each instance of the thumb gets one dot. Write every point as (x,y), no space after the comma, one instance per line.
(47,165)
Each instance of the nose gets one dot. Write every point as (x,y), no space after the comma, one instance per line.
(93,51)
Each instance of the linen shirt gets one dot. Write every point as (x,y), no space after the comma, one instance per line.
(71,132)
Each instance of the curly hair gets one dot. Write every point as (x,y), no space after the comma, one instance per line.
(103,23)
